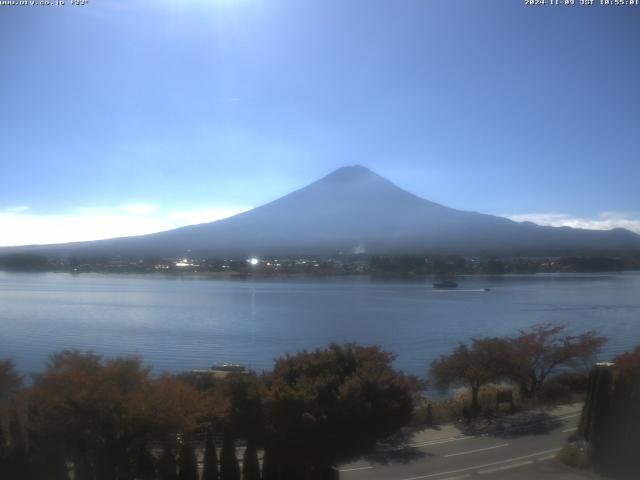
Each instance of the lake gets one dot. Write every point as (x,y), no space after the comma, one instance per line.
(180,323)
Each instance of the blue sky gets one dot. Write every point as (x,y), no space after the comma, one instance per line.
(125,117)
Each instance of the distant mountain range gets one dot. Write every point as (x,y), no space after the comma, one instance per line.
(353,210)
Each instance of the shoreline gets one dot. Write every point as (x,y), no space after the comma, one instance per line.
(380,275)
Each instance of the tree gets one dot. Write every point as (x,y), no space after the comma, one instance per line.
(187,462)
(539,351)
(250,465)
(167,466)
(10,381)
(82,469)
(17,458)
(269,465)
(46,458)
(23,262)
(97,410)
(245,416)
(175,406)
(229,468)
(330,406)
(145,466)
(102,412)
(210,469)
(245,393)
(629,363)
(3,453)
(485,360)
(49,463)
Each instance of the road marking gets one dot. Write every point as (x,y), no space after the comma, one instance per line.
(438,442)
(546,457)
(505,467)
(570,416)
(476,450)
(476,467)
(354,469)
(569,429)
(430,442)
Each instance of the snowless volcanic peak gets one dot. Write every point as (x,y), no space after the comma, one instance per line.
(354,210)
(351,174)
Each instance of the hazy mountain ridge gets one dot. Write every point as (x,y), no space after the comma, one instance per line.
(353,210)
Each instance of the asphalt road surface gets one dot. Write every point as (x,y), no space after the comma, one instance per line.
(448,454)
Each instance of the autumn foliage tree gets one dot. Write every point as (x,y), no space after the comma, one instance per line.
(485,360)
(104,413)
(94,408)
(629,363)
(545,348)
(528,359)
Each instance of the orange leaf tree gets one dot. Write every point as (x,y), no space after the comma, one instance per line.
(485,360)
(544,348)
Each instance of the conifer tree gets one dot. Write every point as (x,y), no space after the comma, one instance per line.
(188,463)
(46,459)
(167,465)
(250,465)
(229,468)
(269,467)
(3,452)
(145,466)
(210,471)
(17,459)
(48,462)
(82,469)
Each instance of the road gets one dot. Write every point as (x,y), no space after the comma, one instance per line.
(448,454)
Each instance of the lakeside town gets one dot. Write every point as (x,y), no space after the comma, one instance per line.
(406,265)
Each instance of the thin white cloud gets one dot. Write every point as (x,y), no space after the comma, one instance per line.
(603,221)
(23,226)
(19,208)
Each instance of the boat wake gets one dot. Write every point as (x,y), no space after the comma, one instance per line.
(458,290)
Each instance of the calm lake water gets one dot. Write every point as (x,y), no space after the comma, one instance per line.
(179,323)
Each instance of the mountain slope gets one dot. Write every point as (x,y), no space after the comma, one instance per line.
(354,210)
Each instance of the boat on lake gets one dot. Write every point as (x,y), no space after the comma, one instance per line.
(228,367)
(221,370)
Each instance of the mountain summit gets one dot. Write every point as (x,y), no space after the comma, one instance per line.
(354,210)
